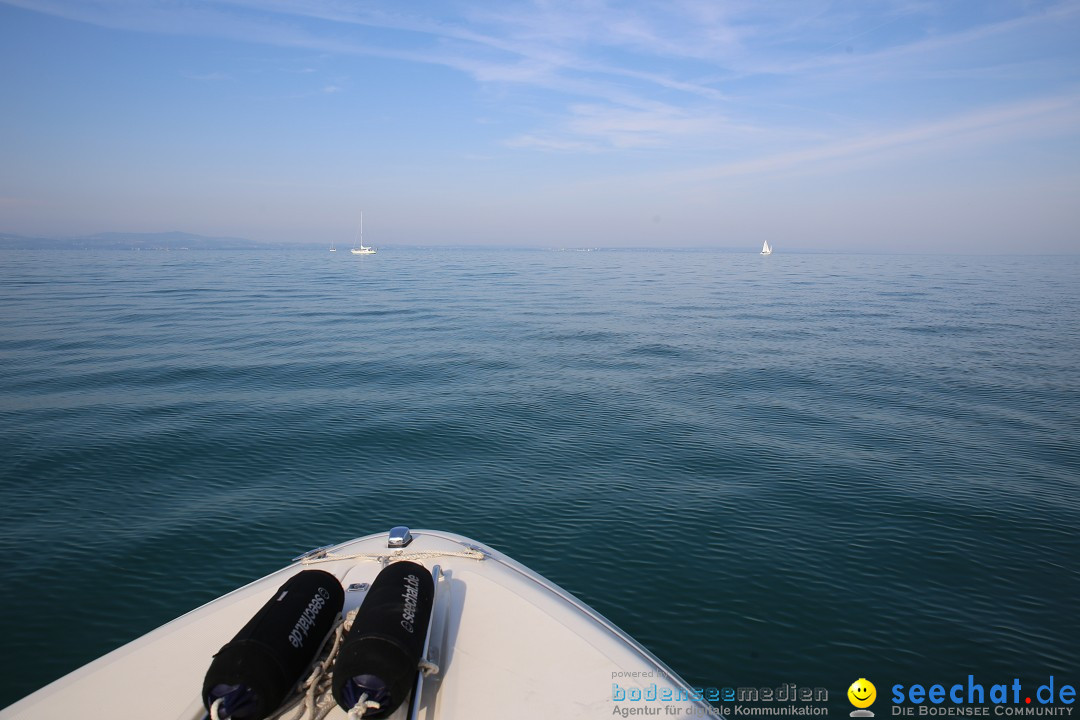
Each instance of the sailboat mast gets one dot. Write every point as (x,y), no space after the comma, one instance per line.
(360,248)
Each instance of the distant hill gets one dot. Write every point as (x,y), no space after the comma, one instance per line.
(134,241)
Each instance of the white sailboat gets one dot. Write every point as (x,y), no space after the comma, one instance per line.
(766,249)
(332,248)
(361,250)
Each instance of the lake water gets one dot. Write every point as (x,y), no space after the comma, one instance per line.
(789,469)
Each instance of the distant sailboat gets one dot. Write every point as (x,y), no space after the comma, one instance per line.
(361,250)
(332,248)
(765,249)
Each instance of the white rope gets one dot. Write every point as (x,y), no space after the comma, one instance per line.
(361,707)
(385,558)
(314,699)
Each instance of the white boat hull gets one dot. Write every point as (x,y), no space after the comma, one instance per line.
(508,643)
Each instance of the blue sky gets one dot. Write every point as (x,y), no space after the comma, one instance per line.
(886,125)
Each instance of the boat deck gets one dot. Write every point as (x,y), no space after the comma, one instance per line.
(508,644)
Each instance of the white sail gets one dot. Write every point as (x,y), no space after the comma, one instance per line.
(765,249)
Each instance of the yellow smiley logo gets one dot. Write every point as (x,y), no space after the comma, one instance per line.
(862,693)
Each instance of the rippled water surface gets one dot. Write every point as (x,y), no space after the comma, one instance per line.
(800,469)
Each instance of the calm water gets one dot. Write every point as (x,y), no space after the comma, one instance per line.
(800,469)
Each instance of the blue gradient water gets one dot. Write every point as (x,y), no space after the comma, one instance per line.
(800,469)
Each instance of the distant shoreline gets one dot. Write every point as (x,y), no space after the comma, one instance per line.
(181,242)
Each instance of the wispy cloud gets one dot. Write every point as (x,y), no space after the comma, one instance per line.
(630,75)
(600,127)
(208,77)
(986,46)
(989,125)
